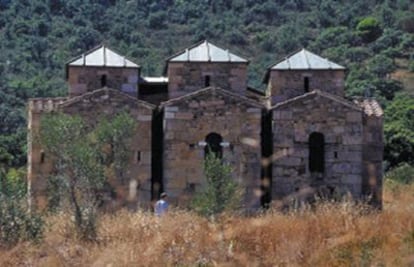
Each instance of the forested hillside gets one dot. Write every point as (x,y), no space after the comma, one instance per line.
(373,39)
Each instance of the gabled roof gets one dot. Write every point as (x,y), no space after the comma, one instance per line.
(370,107)
(206,52)
(106,93)
(305,60)
(102,56)
(324,94)
(213,91)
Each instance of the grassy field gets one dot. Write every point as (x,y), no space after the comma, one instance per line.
(330,235)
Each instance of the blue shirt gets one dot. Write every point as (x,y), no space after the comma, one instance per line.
(161,207)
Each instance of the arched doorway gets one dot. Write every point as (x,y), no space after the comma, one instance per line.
(213,141)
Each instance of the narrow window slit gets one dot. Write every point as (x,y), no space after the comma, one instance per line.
(207,80)
(103,80)
(42,156)
(306,84)
(138,156)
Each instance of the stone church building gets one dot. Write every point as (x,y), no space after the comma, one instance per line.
(299,137)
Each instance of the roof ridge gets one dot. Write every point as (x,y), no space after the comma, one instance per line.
(104,54)
(305,52)
(208,51)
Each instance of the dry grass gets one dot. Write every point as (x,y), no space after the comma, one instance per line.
(330,235)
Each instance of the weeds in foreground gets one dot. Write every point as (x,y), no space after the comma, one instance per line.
(330,234)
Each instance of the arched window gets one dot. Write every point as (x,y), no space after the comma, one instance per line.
(316,152)
(213,141)
(103,80)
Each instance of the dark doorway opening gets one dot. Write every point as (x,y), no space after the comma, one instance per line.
(213,141)
(267,152)
(316,153)
(157,184)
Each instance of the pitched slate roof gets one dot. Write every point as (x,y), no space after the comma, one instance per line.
(305,60)
(370,107)
(206,52)
(102,56)
(332,97)
(212,90)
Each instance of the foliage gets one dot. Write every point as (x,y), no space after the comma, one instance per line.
(16,223)
(402,174)
(38,37)
(380,65)
(221,193)
(399,130)
(84,158)
(369,29)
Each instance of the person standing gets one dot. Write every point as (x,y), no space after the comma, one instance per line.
(161,206)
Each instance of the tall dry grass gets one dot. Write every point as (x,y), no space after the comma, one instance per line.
(329,235)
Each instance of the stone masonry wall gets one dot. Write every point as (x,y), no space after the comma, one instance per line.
(188,122)
(187,77)
(342,128)
(135,189)
(87,79)
(284,85)
(39,164)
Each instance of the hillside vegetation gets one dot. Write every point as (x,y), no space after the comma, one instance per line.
(372,38)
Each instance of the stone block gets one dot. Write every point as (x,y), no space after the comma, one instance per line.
(352,140)
(353,116)
(144,118)
(169,115)
(254,110)
(290,161)
(184,115)
(133,79)
(171,109)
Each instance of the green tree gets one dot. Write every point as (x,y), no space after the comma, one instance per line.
(381,65)
(16,222)
(369,29)
(399,130)
(83,157)
(222,192)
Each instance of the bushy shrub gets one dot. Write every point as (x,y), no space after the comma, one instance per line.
(222,193)
(16,223)
(369,29)
(403,174)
